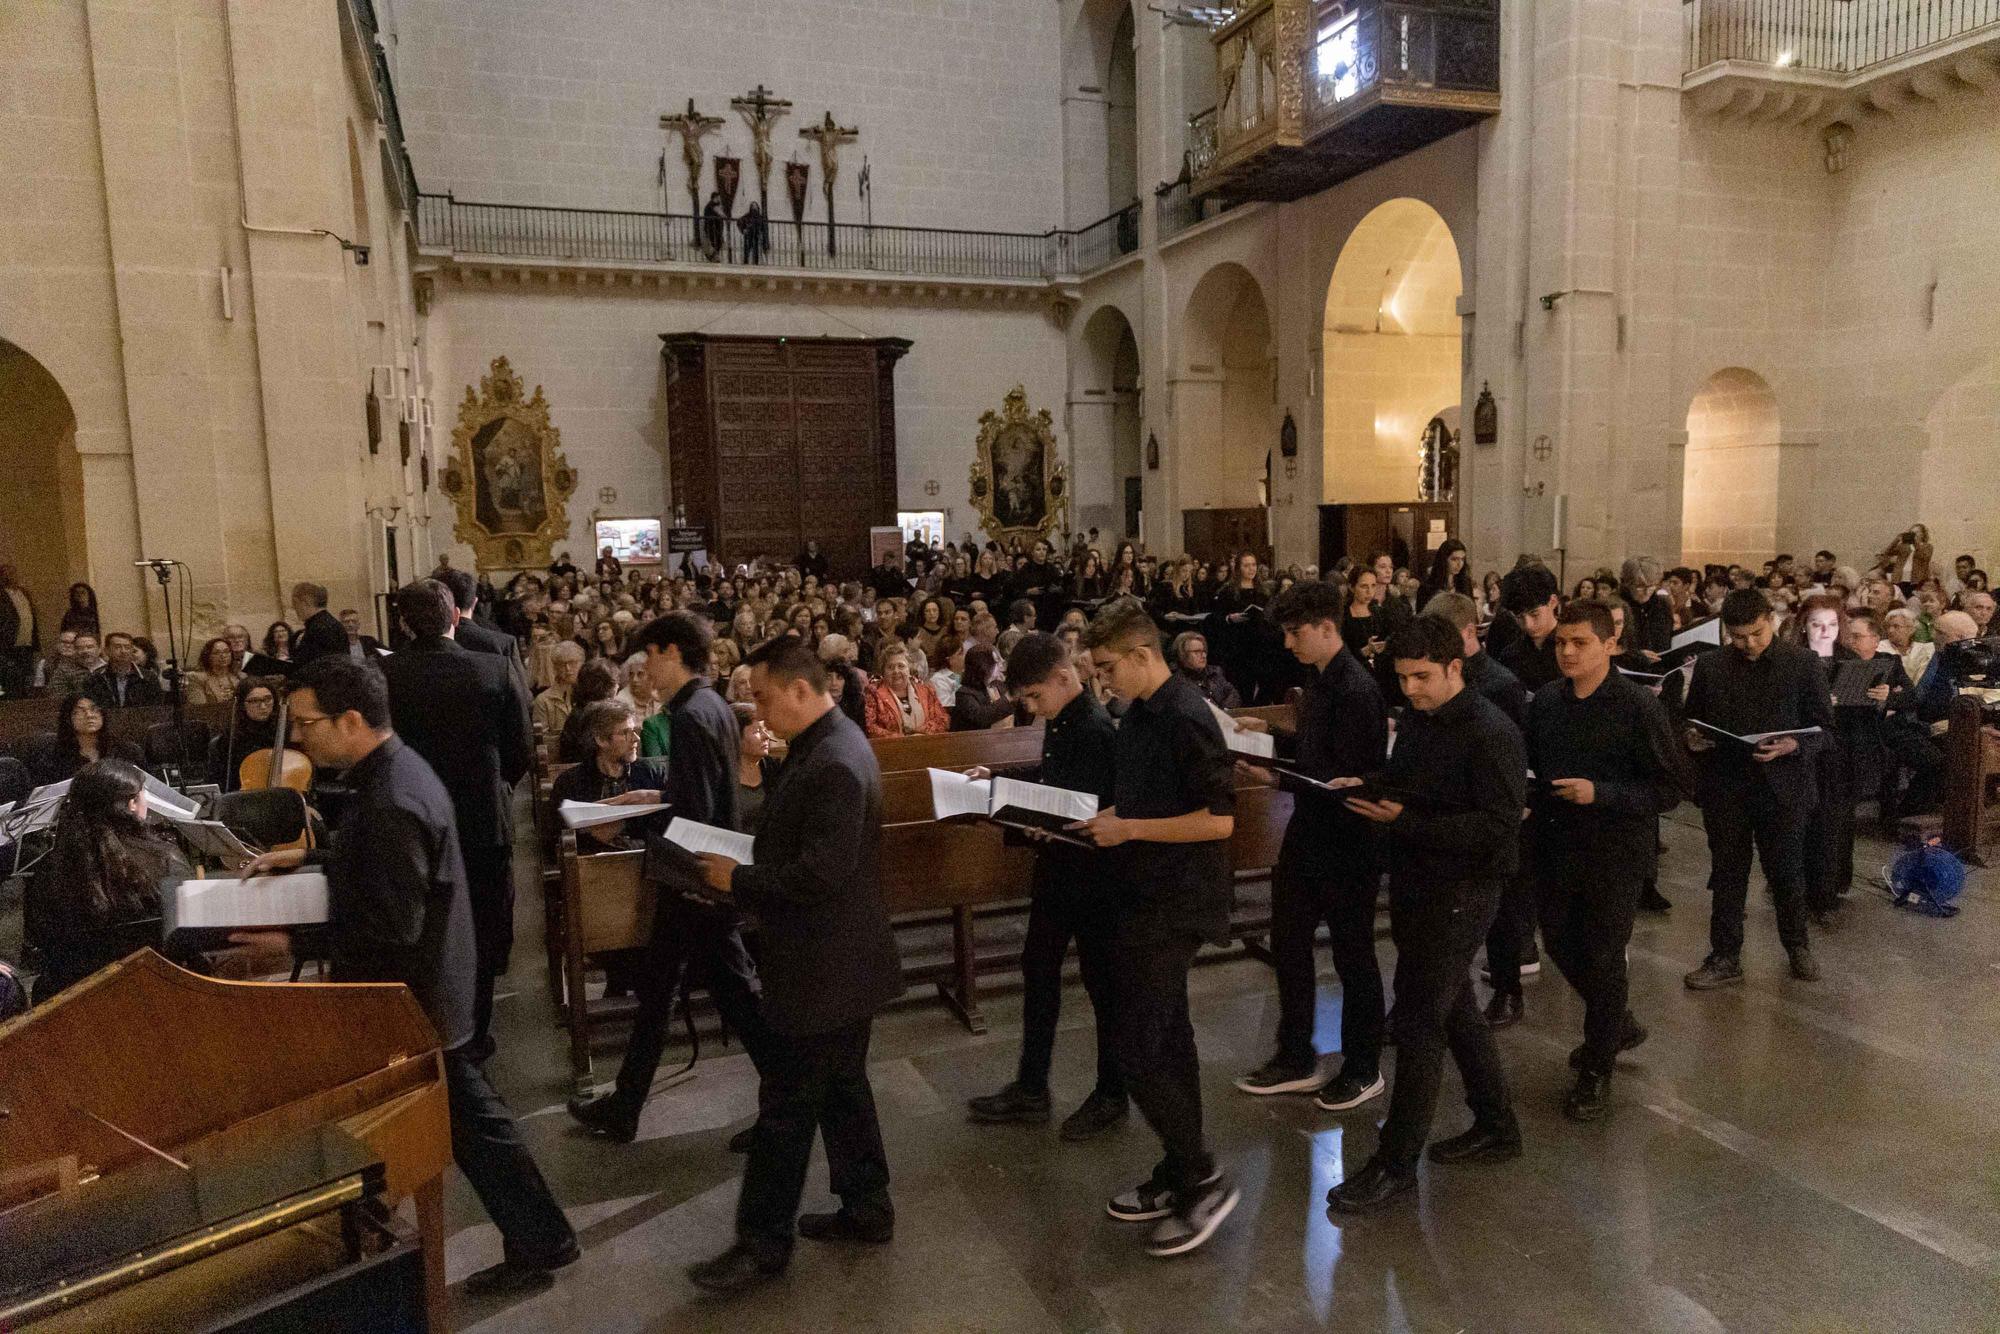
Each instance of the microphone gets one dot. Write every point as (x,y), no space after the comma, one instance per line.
(153,564)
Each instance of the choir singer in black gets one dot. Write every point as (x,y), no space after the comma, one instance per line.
(1607,765)
(829,962)
(1450,805)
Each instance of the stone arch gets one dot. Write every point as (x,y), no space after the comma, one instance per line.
(1391,351)
(1104,424)
(1225,410)
(41,505)
(1101,102)
(1960,475)
(1733,476)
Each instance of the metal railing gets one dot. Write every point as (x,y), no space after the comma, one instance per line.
(1176,208)
(1201,145)
(607,235)
(1828,36)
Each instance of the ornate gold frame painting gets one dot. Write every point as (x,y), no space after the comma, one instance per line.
(506,474)
(1019,486)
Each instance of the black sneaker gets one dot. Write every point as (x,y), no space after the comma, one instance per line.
(1651,900)
(1718,970)
(1635,1034)
(1804,967)
(1098,1114)
(1188,1229)
(604,1116)
(844,1226)
(1481,1144)
(1375,1185)
(1590,1099)
(1012,1105)
(1504,1009)
(1347,1091)
(1148,1200)
(1276,1076)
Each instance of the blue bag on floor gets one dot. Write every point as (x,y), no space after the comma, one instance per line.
(1927,877)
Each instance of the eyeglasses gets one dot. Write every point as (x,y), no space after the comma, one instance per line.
(300,723)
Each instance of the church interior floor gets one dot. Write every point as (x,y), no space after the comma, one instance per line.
(1780,1156)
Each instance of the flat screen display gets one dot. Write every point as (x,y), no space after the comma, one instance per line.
(632,541)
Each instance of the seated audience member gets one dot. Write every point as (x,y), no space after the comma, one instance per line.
(979,704)
(1937,687)
(612,773)
(69,678)
(81,613)
(1190,649)
(847,683)
(753,759)
(119,684)
(96,898)
(950,656)
(278,641)
(83,736)
(596,680)
(214,678)
(637,690)
(552,707)
(61,653)
(253,727)
(898,704)
(1978,604)
(1899,626)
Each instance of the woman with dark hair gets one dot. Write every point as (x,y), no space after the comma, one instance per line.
(81,614)
(97,897)
(253,727)
(752,768)
(979,704)
(1448,573)
(83,737)
(1088,584)
(596,680)
(933,622)
(278,641)
(606,642)
(214,678)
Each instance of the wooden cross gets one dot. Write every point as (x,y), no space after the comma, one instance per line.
(691,125)
(830,135)
(760,110)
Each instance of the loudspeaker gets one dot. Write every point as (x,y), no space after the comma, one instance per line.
(1559,539)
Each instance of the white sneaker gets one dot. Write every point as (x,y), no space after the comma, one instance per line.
(1184,1232)
(1147,1201)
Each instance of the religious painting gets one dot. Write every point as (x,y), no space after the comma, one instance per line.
(1019,486)
(506,474)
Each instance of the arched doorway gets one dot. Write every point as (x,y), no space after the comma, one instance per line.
(1104,423)
(41,504)
(1101,111)
(1391,352)
(1730,490)
(1225,414)
(1961,471)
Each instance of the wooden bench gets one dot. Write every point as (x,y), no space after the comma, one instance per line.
(1971,811)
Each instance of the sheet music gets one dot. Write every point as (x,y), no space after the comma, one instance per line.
(1261,744)
(955,795)
(1057,801)
(47,792)
(1703,632)
(297,899)
(1754,738)
(698,837)
(168,804)
(584,814)
(214,839)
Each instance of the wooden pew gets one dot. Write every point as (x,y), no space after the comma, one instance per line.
(1971,814)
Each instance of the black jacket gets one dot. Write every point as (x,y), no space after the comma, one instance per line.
(323,636)
(398,910)
(703,746)
(1619,738)
(1784,688)
(1533,665)
(829,959)
(1467,771)
(141,691)
(1484,673)
(1343,732)
(485,639)
(461,712)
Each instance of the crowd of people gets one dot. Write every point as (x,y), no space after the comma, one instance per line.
(1495,752)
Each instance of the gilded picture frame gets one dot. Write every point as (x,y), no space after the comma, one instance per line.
(506,474)
(1020,487)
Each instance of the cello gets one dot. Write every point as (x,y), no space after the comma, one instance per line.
(276,765)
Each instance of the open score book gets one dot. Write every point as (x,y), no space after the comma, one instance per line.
(1009,801)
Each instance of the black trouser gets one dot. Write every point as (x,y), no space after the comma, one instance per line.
(813,1082)
(1065,906)
(1437,929)
(701,939)
(489,883)
(1316,882)
(487,1146)
(1827,841)
(1150,958)
(1510,941)
(1738,818)
(1587,913)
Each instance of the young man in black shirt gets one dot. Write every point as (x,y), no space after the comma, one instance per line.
(1078,752)
(1531,594)
(1326,869)
(1607,765)
(1452,845)
(1173,810)
(1755,796)
(398,912)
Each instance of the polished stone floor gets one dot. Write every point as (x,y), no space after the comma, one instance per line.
(1781,1157)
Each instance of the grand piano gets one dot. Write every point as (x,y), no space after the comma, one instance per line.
(178,1152)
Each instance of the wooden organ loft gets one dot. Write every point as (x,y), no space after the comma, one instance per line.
(1312,92)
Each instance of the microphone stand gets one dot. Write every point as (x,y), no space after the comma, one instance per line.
(163,571)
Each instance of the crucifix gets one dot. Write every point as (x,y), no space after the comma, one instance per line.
(691,125)
(760,110)
(830,136)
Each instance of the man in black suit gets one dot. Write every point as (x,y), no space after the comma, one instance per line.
(397,912)
(119,684)
(323,634)
(829,962)
(474,635)
(461,713)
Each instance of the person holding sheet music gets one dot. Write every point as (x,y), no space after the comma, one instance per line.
(1070,902)
(829,962)
(1326,870)
(614,775)
(1828,842)
(1173,811)
(700,783)
(1756,793)
(1607,765)
(1449,805)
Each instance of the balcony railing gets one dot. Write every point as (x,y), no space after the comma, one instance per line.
(1201,144)
(1826,36)
(364,10)
(529,231)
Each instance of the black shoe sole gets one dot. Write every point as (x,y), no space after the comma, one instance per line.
(1341,1204)
(1074,1133)
(1583,1114)
(1008,1119)
(615,1132)
(1498,1153)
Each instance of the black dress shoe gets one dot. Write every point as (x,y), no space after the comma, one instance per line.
(1504,1009)
(1012,1105)
(1370,1188)
(844,1226)
(1590,1099)
(1804,967)
(742,1140)
(517,1276)
(732,1271)
(1097,1114)
(606,1117)
(1481,1144)
(1651,900)
(1635,1034)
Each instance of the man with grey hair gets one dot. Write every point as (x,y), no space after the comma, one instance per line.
(1649,616)
(323,635)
